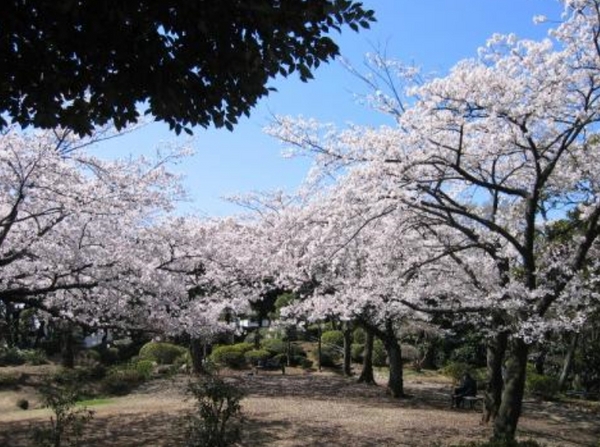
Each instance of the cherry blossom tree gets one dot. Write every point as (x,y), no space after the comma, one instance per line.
(493,153)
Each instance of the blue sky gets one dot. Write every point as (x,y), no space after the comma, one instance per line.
(433,34)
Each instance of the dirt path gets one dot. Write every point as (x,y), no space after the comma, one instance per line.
(309,410)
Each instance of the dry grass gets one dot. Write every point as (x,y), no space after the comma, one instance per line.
(308,410)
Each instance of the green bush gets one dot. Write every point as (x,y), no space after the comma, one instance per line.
(357,351)
(379,354)
(120,382)
(278,346)
(330,357)
(35,356)
(11,357)
(455,370)
(143,367)
(333,338)
(217,419)
(228,355)
(359,336)
(256,355)
(541,385)
(161,352)
(274,345)
(68,420)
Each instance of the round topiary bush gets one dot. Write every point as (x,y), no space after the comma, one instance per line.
(161,352)
(255,356)
(228,355)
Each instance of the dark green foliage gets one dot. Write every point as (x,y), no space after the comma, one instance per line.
(79,64)
(217,419)
(122,381)
(333,338)
(379,354)
(541,385)
(277,346)
(11,357)
(67,423)
(231,356)
(455,370)
(359,336)
(330,357)
(34,356)
(357,352)
(255,356)
(161,353)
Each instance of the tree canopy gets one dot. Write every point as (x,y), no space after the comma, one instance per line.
(80,64)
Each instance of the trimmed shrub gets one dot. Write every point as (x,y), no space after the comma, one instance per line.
(161,352)
(255,356)
(333,338)
(120,382)
(230,356)
(143,367)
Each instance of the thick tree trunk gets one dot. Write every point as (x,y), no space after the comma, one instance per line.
(394,353)
(568,364)
(509,412)
(496,350)
(366,375)
(347,329)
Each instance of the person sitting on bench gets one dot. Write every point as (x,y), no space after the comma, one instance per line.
(468,387)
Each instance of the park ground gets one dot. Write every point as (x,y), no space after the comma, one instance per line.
(307,409)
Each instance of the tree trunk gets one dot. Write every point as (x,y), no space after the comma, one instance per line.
(496,350)
(347,328)
(568,364)
(197,355)
(394,353)
(319,348)
(509,412)
(366,375)
(67,347)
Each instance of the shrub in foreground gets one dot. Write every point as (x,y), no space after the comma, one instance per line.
(217,418)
